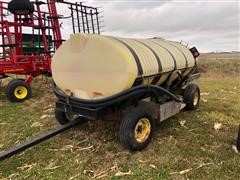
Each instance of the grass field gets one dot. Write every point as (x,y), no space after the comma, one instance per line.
(185,146)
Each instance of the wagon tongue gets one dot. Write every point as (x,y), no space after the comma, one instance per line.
(37,140)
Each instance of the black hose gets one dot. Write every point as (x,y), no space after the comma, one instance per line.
(144,90)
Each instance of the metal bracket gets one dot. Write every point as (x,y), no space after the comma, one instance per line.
(170,109)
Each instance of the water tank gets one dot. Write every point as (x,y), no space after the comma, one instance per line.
(95,66)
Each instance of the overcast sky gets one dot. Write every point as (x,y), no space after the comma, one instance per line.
(209,25)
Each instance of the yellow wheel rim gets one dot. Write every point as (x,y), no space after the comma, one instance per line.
(142,130)
(196,99)
(20,92)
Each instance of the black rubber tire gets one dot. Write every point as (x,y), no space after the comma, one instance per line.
(189,95)
(12,85)
(238,140)
(22,7)
(62,118)
(127,128)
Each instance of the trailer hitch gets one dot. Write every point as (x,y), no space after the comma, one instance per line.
(37,140)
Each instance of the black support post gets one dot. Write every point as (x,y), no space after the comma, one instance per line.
(93,28)
(97,18)
(78,20)
(73,22)
(86,16)
(83,22)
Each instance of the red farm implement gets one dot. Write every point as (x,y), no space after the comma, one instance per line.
(30,34)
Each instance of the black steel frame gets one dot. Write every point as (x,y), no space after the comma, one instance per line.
(93,110)
(98,108)
(85,19)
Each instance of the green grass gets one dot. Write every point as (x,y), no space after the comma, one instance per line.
(93,150)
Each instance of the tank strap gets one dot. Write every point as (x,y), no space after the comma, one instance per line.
(154,53)
(180,51)
(140,69)
(138,81)
(156,79)
(174,60)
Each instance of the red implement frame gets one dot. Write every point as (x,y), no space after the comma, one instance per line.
(12,58)
(14,61)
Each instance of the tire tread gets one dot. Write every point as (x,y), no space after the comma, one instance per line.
(127,125)
(11,87)
(188,96)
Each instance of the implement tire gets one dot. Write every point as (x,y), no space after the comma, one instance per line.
(18,91)
(136,129)
(238,140)
(192,97)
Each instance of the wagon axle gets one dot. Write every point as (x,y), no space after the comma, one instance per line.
(136,126)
